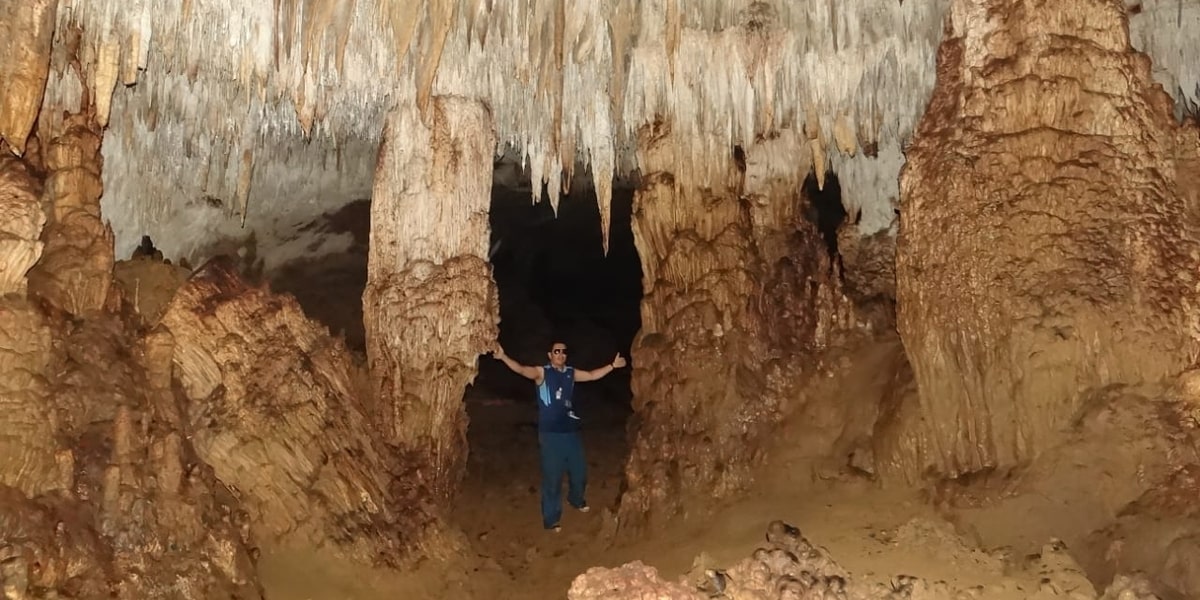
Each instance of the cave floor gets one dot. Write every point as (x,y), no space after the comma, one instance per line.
(875,533)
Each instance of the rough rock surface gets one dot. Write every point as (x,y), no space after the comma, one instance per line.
(1043,247)
(28,30)
(29,459)
(146,286)
(430,305)
(735,293)
(1158,532)
(21,222)
(105,497)
(869,267)
(789,567)
(75,271)
(276,408)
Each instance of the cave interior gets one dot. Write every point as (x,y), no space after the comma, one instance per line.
(908,293)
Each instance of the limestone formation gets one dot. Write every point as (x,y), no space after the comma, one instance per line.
(75,271)
(29,453)
(430,305)
(735,291)
(277,410)
(28,29)
(21,222)
(146,287)
(1044,246)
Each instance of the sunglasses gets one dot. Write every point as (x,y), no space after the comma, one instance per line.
(559,351)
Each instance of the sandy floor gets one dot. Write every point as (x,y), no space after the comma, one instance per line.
(875,533)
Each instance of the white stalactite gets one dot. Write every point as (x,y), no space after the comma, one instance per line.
(564,86)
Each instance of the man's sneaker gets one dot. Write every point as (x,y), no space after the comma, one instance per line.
(556,528)
(584,508)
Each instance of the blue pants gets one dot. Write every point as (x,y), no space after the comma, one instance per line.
(561,452)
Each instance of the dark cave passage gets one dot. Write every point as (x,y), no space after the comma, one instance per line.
(825,209)
(555,284)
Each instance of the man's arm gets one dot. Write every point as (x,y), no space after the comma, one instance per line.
(534,373)
(595,374)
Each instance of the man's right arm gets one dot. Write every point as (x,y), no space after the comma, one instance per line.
(533,373)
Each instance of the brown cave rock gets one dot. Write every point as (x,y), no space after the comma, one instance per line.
(733,303)
(430,305)
(279,411)
(75,270)
(85,495)
(1044,248)
(21,222)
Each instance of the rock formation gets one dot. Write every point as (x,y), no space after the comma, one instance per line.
(790,567)
(101,493)
(736,288)
(23,219)
(1044,247)
(276,409)
(430,306)
(76,267)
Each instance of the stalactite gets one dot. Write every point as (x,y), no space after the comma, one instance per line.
(430,305)
(28,30)
(331,70)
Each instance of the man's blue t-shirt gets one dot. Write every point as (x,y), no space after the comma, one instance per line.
(555,414)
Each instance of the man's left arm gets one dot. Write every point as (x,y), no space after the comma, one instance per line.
(595,374)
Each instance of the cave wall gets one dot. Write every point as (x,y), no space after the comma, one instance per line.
(430,306)
(737,289)
(1045,243)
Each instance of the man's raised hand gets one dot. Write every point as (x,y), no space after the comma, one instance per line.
(619,361)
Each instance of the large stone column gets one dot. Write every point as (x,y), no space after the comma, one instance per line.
(1044,246)
(75,271)
(430,305)
(723,321)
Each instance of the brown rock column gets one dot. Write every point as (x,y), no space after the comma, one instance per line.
(1044,247)
(76,267)
(430,306)
(722,322)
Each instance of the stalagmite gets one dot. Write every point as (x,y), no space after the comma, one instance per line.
(1044,246)
(430,305)
(75,271)
(735,293)
(27,29)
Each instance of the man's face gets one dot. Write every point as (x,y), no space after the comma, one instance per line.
(558,355)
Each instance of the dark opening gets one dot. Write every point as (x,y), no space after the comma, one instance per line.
(555,284)
(825,208)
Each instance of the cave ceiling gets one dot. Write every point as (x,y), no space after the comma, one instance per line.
(225,116)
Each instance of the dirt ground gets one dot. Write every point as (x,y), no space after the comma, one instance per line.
(875,533)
